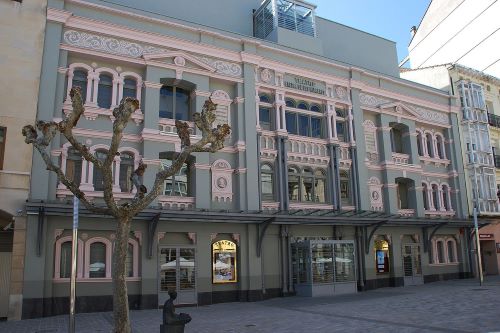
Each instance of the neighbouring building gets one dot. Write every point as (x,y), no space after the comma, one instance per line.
(458,31)
(22,26)
(338,175)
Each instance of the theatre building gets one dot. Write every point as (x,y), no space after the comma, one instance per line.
(338,176)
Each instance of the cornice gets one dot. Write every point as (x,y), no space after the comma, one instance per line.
(58,15)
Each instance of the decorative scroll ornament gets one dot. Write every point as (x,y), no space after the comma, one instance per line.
(222,67)
(341,92)
(432,116)
(375,189)
(108,44)
(370,100)
(266,75)
(180,61)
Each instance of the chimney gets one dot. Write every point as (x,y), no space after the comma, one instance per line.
(413,31)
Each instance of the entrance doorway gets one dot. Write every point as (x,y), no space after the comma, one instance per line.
(412,265)
(177,271)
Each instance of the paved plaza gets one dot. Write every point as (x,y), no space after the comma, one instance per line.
(451,306)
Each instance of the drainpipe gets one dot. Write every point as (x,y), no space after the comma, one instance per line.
(259,186)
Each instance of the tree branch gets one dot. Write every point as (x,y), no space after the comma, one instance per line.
(211,141)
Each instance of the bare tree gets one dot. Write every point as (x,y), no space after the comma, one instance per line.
(212,139)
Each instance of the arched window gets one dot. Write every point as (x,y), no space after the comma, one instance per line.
(74,166)
(267,185)
(435,196)
(316,108)
(303,105)
(97,176)
(178,184)
(80,80)
(126,170)
(129,88)
(425,196)
(105,91)
(175,98)
(97,260)
(451,248)
(293,184)
(129,261)
(440,252)
(265,98)
(440,147)
(340,112)
(345,188)
(319,186)
(430,150)
(340,127)
(446,199)
(419,144)
(65,261)
(290,103)
(316,127)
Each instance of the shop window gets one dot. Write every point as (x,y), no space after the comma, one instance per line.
(98,176)
(382,255)
(344,262)
(224,254)
(178,184)
(97,260)
(3,139)
(80,80)
(105,91)
(265,118)
(65,261)
(322,263)
(267,185)
(175,98)
(129,88)
(74,166)
(126,170)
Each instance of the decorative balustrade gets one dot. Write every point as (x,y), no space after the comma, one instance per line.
(173,202)
(439,213)
(406,212)
(167,126)
(268,146)
(401,159)
(307,150)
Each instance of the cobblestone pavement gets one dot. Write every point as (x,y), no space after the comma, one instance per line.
(451,306)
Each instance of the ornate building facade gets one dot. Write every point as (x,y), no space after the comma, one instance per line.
(338,175)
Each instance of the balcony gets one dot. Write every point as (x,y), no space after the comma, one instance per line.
(406,212)
(494,120)
(176,202)
(401,159)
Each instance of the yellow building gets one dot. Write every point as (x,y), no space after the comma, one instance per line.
(22,26)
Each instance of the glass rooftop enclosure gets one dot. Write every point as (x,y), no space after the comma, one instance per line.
(293,15)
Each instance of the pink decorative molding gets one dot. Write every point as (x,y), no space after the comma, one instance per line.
(310,206)
(138,235)
(173,202)
(57,257)
(213,236)
(267,205)
(406,212)
(161,235)
(109,247)
(236,238)
(222,181)
(192,237)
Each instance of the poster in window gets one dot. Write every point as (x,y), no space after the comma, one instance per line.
(224,262)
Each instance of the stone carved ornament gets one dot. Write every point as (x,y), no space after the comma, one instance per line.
(428,115)
(266,75)
(341,92)
(222,185)
(136,50)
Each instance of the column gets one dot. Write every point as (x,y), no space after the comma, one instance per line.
(96,79)
(117,83)
(448,199)
(441,199)
(138,89)
(70,76)
(283,118)
(351,127)
(257,109)
(277,108)
(330,111)
(430,193)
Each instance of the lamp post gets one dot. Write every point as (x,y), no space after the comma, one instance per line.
(478,249)
(74,249)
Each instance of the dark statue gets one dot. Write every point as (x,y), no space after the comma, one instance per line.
(173,322)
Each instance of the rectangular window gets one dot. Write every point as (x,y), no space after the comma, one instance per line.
(315,127)
(291,122)
(3,139)
(167,102)
(304,125)
(265,118)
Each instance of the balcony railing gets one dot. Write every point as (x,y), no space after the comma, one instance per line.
(398,158)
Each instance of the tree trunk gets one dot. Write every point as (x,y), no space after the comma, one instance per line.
(120,298)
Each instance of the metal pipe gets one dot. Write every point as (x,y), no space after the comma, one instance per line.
(74,250)
(478,249)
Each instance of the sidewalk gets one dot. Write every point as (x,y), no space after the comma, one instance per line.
(451,306)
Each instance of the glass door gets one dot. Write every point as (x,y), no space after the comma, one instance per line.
(177,270)
(412,265)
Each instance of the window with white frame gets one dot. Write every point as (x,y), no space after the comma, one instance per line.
(105,91)
(444,250)
(306,185)
(127,161)
(304,123)
(74,166)
(97,175)
(267,182)
(80,81)
(178,184)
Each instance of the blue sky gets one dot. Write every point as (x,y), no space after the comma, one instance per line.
(391,19)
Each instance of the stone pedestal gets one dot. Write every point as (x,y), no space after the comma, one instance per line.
(177,328)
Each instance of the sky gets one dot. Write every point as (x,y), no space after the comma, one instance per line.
(391,19)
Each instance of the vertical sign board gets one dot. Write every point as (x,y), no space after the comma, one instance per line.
(224,262)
